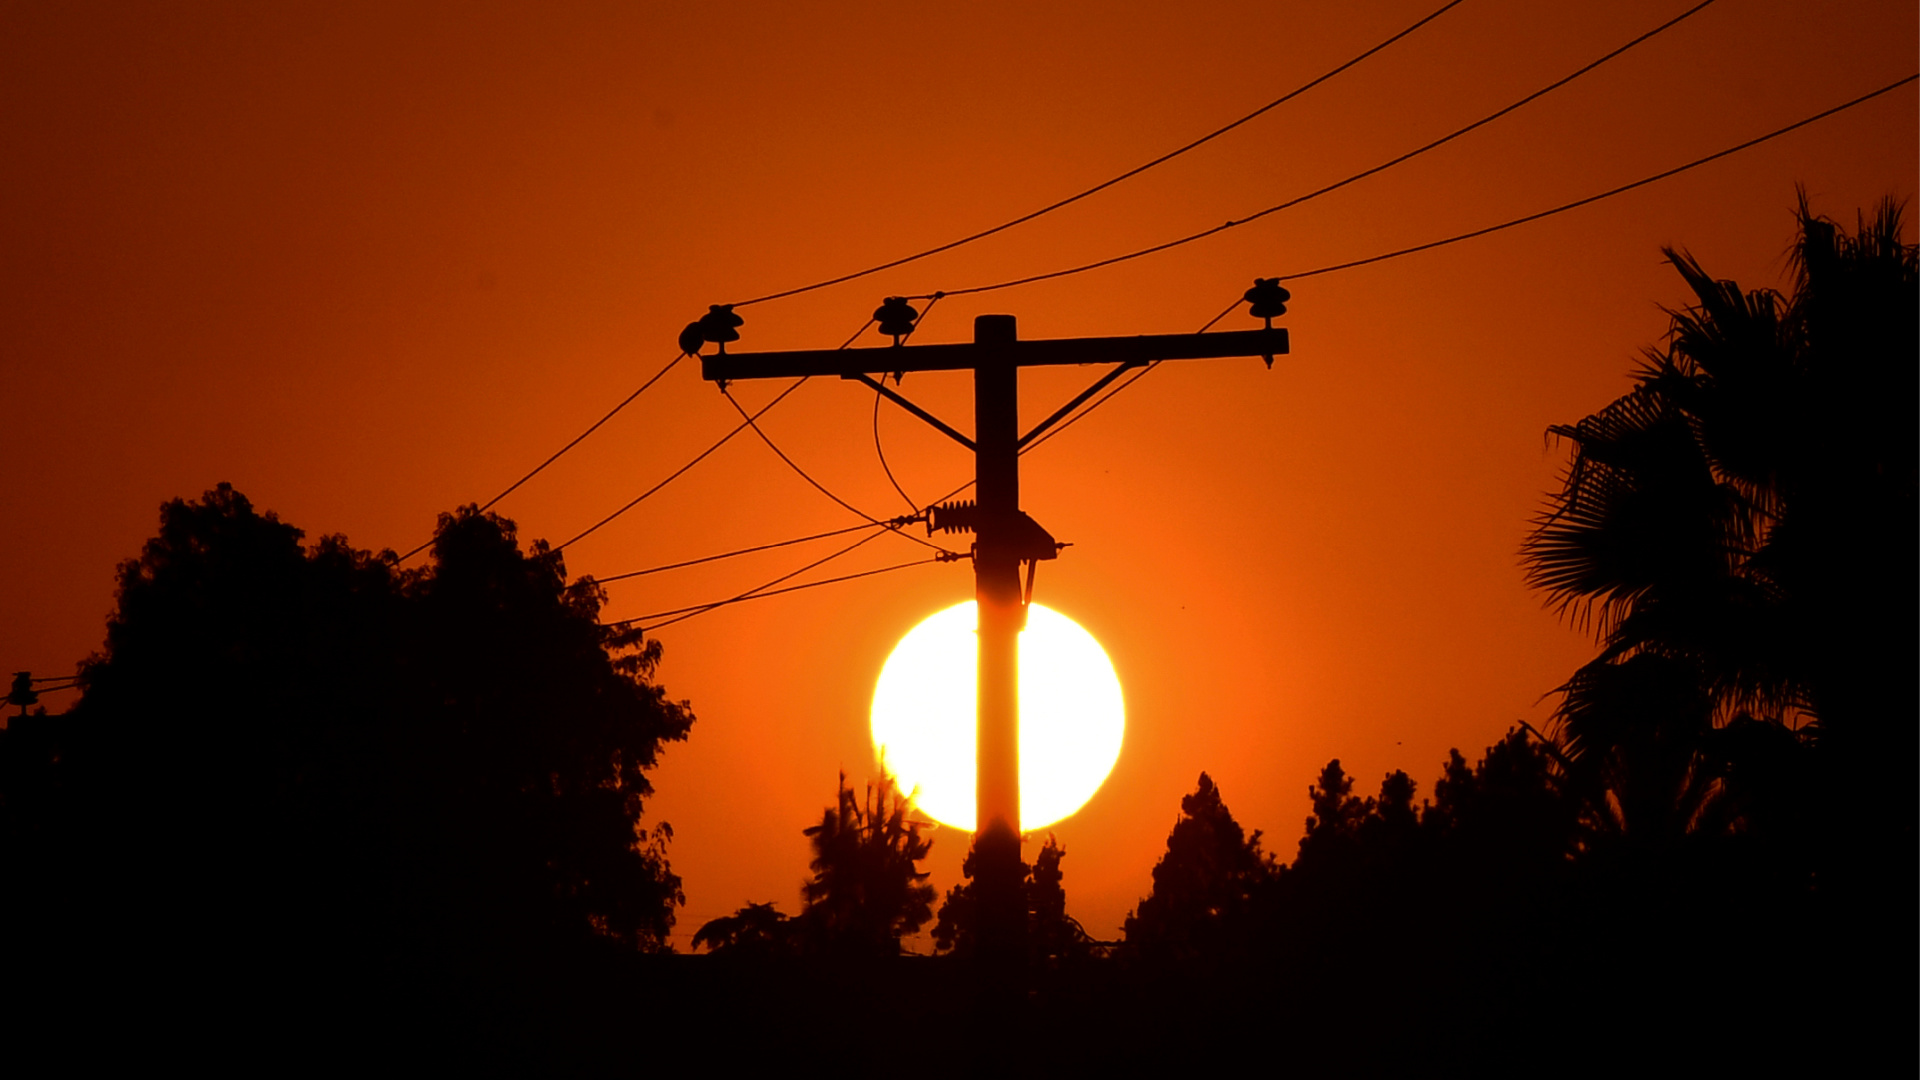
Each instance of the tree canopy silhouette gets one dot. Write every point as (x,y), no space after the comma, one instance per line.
(1203,887)
(289,751)
(866,892)
(867,889)
(1053,936)
(1740,530)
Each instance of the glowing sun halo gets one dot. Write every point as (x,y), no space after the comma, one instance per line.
(1071,716)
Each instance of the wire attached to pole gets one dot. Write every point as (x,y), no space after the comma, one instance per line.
(817,485)
(878,449)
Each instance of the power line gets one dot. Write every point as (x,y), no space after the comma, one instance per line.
(802,473)
(895,525)
(689,612)
(1060,273)
(671,364)
(1609,193)
(1276,208)
(675,475)
(817,485)
(757,590)
(556,454)
(748,422)
(1102,186)
(879,450)
(733,554)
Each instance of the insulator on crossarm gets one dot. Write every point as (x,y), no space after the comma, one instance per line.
(896,317)
(22,693)
(717,325)
(1267,300)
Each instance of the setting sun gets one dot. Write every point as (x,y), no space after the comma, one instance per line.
(1071,716)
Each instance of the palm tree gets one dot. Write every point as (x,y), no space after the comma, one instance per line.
(1740,532)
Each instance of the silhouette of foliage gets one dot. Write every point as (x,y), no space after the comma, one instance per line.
(307,746)
(867,890)
(1053,936)
(755,932)
(1203,887)
(1740,529)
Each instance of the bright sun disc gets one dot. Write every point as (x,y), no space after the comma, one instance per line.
(1071,716)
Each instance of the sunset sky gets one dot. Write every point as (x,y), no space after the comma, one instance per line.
(369,262)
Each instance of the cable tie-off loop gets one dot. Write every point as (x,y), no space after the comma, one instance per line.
(1267,300)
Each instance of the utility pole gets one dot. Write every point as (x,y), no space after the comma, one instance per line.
(1005,537)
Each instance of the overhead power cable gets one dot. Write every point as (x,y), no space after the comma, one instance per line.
(768,590)
(749,420)
(746,422)
(615,411)
(817,485)
(1430,245)
(1610,192)
(687,613)
(684,614)
(879,450)
(733,554)
(671,364)
(1338,184)
(1103,185)
(677,473)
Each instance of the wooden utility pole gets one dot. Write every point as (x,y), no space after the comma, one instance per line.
(1005,538)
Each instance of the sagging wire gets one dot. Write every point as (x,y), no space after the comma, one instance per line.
(677,473)
(615,411)
(879,450)
(1338,184)
(738,552)
(1071,199)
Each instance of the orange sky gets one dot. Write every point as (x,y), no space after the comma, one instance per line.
(370,261)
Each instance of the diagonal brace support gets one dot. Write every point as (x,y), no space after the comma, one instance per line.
(1061,413)
(938,424)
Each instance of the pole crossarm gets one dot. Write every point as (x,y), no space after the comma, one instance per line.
(965,356)
(1006,539)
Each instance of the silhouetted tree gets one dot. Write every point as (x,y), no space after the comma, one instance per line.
(531,727)
(867,890)
(1203,887)
(755,932)
(1741,527)
(1053,936)
(1506,818)
(289,755)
